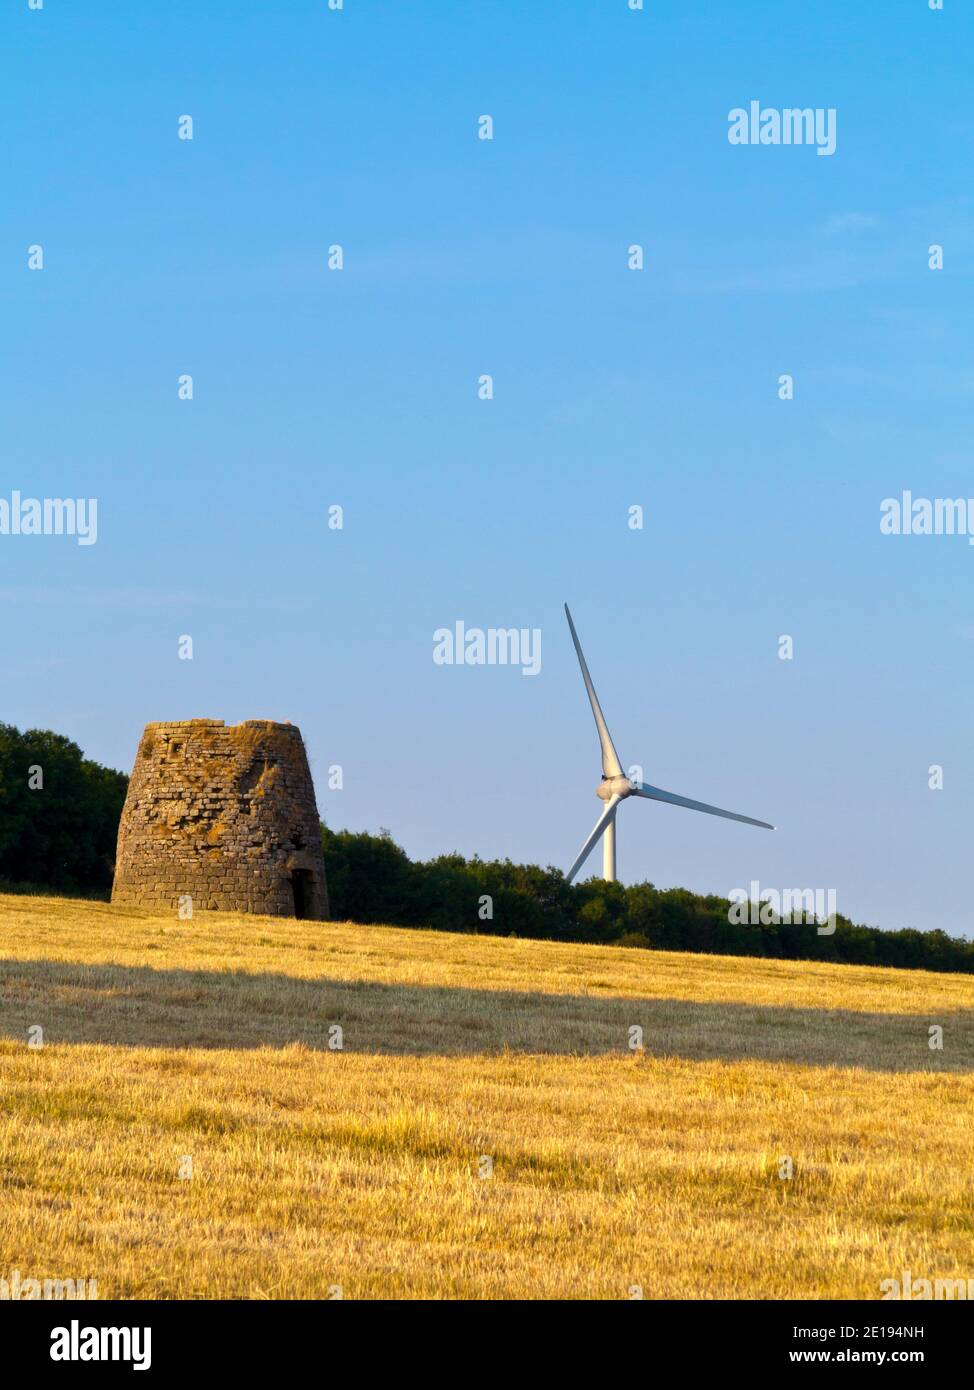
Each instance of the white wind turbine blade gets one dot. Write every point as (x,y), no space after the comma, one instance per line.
(590,843)
(611,766)
(657,794)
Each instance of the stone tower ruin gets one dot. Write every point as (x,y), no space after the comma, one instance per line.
(225,816)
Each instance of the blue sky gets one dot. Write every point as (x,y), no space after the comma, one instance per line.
(613,388)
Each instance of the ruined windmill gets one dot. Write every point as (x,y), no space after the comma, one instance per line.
(222,817)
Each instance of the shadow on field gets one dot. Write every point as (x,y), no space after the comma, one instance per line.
(139,1006)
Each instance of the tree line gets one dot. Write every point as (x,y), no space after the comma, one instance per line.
(371,879)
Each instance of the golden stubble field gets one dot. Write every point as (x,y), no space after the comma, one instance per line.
(362,1169)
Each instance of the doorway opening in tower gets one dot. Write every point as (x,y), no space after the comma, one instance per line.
(301,889)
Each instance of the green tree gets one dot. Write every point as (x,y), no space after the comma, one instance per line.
(59,812)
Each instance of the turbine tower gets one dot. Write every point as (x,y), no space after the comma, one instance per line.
(616,786)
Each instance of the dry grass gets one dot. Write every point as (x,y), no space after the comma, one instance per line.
(315,1168)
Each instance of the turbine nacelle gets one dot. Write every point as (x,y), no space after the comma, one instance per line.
(615,786)
(619,787)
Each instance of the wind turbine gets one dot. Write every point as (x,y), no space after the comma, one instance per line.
(616,786)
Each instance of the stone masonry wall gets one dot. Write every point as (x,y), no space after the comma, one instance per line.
(226,815)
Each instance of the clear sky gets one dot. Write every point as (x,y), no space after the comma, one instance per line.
(613,388)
